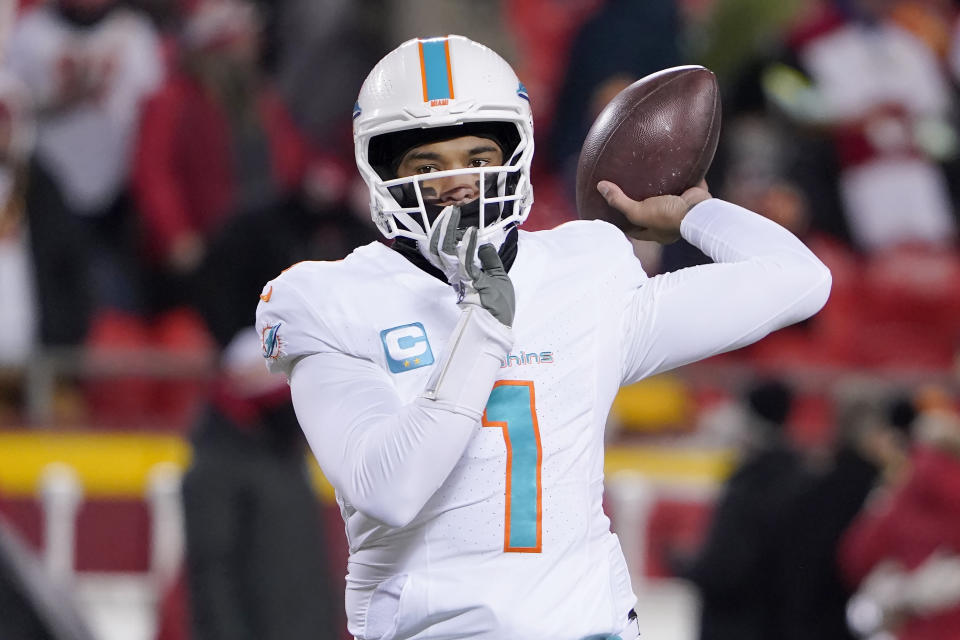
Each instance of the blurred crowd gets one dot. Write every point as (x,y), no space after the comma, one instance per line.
(859,540)
(157,172)
(160,160)
(164,158)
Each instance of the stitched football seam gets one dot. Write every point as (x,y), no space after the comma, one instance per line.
(713,121)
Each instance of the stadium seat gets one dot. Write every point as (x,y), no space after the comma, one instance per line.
(116,399)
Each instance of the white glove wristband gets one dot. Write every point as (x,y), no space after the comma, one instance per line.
(467,371)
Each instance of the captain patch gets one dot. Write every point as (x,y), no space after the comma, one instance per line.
(406,347)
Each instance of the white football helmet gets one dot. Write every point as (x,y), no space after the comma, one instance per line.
(440,88)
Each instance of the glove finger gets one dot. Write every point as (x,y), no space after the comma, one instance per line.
(490,261)
(450,231)
(469,258)
(439,228)
(463,245)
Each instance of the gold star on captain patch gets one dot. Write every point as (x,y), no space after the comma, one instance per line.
(416,361)
(406,363)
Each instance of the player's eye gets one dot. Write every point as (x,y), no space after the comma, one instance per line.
(479,162)
(426,168)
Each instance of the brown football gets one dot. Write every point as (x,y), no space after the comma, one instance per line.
(656,137)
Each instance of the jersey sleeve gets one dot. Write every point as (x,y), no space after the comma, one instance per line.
(290,324)
(763,279)
(384,455)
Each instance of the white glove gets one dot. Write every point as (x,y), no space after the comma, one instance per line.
(484,284)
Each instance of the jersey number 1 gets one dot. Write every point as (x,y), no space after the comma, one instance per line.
(511,407)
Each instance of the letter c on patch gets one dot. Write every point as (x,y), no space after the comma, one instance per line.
(406,347)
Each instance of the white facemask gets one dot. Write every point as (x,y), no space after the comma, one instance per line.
(489,235)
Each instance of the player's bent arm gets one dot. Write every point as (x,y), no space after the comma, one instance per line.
(385,457)
(763,279)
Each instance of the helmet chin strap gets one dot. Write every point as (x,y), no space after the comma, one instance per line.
(496,236)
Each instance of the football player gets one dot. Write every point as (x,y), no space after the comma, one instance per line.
(454,386)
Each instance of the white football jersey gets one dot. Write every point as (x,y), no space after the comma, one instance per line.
(514,543)
(518,526)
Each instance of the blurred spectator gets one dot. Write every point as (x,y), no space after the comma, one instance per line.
(261,514)
(315,223)
(756,173)
(763,161)
(765,167)
(541,32)
(165,14)
(903,551)
(735,569)
(255,551)
(88,65)
(303,36)
(726,35)
(16,286)
(578,59)
(872,437)
(885,100)
(619,44)
(18,311)
(214,141)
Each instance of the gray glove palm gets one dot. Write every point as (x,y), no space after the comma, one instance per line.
(485,285)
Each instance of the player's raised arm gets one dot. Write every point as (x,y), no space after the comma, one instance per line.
(763,279)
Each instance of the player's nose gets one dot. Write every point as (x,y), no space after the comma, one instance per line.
(459,190)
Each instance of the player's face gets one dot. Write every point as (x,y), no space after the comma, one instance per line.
(446,155)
